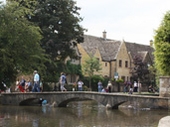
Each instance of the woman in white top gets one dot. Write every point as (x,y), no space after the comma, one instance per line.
(80,85)
(109,86)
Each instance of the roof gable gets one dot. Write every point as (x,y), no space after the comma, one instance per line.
(108,48)
(134,48)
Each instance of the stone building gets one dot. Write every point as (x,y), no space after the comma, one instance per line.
(116,57)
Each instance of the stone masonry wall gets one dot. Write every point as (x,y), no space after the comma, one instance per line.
(164,86)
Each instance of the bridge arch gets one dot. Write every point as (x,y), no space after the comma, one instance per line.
(63,98)
(29,102)
(65,102)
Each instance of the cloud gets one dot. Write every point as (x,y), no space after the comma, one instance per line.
(133,20)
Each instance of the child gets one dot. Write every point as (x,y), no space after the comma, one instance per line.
(131,89)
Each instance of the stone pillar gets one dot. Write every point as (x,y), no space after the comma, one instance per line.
(164,90)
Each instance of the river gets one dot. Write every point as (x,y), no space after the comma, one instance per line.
(78,114)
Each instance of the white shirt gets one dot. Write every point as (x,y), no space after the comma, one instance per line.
(80,83)
(36,77)
(135,84)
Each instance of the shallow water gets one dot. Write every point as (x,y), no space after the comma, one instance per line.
(78,114)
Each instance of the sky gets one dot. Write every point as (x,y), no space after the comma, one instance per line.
(129,20)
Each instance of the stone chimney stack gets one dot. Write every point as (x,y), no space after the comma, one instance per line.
(104,35)
(151,43)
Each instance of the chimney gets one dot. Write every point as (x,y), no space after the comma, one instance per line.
(151,43)
(104,35)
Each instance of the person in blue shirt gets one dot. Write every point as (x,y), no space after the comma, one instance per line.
(62,82)
(36,87)
(43,102)
(100,86)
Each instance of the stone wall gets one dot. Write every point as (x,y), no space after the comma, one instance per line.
(164,90)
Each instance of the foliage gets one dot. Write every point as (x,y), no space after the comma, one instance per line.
(59,23)
(119,81)
(162,46)
(94,80)
(90,66)
(20,49)
(58,20)
(72,68)
(140,70)
(153,76)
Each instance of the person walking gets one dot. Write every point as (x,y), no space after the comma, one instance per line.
(131,89)
(109,86)
(22,82)
(80,85)
(36,87)
(100,86)
(135,86)
(62,82)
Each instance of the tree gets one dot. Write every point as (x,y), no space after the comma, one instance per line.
(73,68)
(20,49)
(162,46)
(140,70)
(59,23)
(91,66)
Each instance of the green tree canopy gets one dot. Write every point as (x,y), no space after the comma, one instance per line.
(140,70)
(20,49)
(162,46)
(59,22)
(91,66)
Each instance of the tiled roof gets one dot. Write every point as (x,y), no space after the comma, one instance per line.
(109,48)
(134,48)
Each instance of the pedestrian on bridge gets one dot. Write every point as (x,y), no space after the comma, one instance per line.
(36,87)
(80,85)
(135,86)
(62,82)
(100,86)
(22,82)
(109,86)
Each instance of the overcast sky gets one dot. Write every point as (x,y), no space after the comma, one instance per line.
(131,20)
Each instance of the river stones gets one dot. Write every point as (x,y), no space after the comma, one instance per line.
(164,122)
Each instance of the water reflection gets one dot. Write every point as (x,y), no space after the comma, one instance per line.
(77,114)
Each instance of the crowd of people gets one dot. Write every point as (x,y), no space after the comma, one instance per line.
(25,85)
(130,88)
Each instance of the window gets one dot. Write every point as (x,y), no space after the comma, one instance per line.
(126,64)
(123,78)
(105,64)
(120,63)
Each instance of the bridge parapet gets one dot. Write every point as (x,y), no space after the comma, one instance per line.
(63,98)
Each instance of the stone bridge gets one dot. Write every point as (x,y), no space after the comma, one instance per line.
(61,99)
